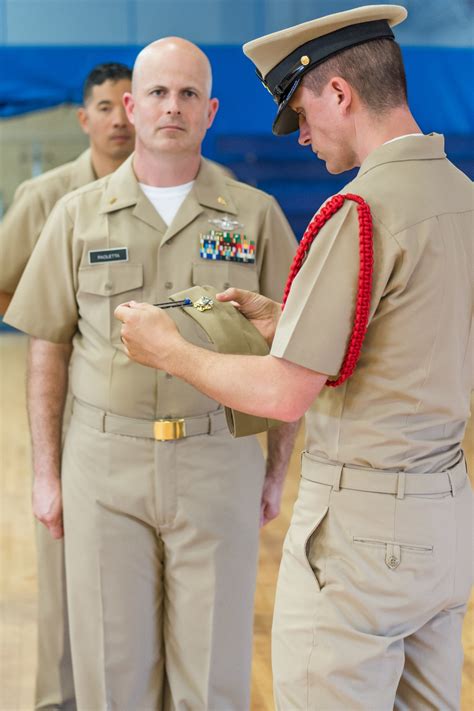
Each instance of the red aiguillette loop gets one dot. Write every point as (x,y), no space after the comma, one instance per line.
(366,265)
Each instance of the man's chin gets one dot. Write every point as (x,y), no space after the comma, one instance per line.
(171,145)
(333,169)
(336,168)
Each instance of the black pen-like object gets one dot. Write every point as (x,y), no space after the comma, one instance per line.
(173,304)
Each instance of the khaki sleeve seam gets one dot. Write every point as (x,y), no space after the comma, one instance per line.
(383,228)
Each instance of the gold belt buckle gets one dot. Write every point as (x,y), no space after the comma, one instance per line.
(165,430)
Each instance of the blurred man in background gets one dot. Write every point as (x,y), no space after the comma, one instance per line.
(103,119)
(111,138)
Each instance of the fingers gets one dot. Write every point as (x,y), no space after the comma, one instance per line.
(236,296)
(125,347)
(56,531)
(121,312)
(141,306)
(54,524)
(124,312)
(268,512)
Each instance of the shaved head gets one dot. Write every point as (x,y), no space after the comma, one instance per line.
(172,51)
(170,105)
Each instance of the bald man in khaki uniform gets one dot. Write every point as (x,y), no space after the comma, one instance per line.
(111,136)
(377,563)
(161,505)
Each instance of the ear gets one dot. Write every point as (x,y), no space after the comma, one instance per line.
(129,104)
(83,119)
(212,111)
(342,92)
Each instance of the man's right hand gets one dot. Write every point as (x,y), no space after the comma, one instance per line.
(262,312)
(47,504)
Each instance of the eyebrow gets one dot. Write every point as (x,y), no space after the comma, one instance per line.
(183,88)
(104,101)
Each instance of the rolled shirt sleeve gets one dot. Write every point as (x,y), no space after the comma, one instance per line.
(44,304)
(19,231)
(316,324)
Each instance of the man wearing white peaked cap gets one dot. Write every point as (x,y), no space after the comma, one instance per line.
(376,568)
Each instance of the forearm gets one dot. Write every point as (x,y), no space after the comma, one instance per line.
(229,379)
(46,394)
(280,443)
(260,385)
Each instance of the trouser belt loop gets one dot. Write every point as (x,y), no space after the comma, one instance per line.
(337,478)
(213,418)
(401,485)
(451,484)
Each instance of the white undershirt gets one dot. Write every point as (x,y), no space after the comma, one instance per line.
(407,135)
(167,201)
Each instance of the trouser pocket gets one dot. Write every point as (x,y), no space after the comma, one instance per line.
(393,551)
(307,524)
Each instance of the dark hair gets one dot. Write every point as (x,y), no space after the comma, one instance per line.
(110,71)
(375,70)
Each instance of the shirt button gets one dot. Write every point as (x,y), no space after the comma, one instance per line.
(168,285)
(226,285)
(393,562)
(108,286)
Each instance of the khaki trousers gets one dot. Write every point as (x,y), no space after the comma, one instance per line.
(372,591)
(54,680)
(161,556)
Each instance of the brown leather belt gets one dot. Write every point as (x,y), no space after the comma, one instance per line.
(341,476)
(162,430)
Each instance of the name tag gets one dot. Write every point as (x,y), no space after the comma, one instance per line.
(114,254)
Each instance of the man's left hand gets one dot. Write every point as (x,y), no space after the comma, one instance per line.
(149,335)
(280,442)
(271,498)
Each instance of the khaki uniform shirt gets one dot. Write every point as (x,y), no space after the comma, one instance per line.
(406,405)
(64,295)
(33,201)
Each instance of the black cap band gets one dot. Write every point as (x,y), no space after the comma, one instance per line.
(282,77)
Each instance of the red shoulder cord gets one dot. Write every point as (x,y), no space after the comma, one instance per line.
(364,290)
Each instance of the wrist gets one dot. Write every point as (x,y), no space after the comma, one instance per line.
(180,356)
(50,474)
(275,474)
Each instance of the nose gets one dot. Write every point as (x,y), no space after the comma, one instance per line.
(172,105)
(304,139)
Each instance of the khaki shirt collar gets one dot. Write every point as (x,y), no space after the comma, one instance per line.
(83,172)
(122,189)
(430,147)
(209,191)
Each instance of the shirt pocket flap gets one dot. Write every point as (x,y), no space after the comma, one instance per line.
(108,280)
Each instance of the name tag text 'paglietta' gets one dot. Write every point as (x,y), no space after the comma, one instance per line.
(114,254)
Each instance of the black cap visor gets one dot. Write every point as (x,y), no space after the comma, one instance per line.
(286,121)
(283,80)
